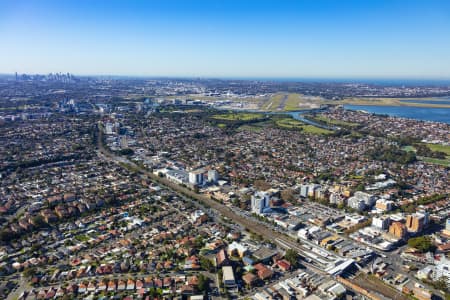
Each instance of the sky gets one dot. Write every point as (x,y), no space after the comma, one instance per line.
(228,38)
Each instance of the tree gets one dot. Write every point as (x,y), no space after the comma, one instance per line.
(206,264)
(126,151)
(292,257)
(7,235)
(198,242)
(392,154)
(441,284)
(360,187)
(203,283)
(39,222)
(29,272)
(220,276)
(422,244)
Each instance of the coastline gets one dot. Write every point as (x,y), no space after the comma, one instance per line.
(394,102)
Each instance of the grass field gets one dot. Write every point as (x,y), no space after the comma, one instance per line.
(274,102)
(295,124)
(292,102)
(440,148)
(433,147)
(238,117)
(443,162)
(289,123)
(409,148)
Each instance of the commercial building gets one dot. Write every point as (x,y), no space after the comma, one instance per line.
(357,204)
(236,249)
(446,230)
(260,201)
(228,277)
(109,128)
(384,205)
(381,222)
(178,176)
(308,190)
(213,176)
(398,230)
(361,201)
(196,177)
(416,222)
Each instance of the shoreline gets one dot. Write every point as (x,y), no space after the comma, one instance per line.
(400,102)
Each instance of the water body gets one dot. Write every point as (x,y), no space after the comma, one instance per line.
(418,113)
(297,115)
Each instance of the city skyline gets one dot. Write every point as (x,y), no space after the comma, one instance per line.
(264,39)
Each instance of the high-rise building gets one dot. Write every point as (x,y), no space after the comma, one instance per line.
(312,190)
(304,188)
(381,222)
(228,277)
(446,230)
(383,204)
(357,204)
(398,230)
(336,198)
(213,176)
(260,201)
(309,190)
(361,201)
(109,128)
(417,222)
(196,177)
(124,142)
(369,200)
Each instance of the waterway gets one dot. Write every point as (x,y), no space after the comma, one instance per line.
(419,113)
(297,115)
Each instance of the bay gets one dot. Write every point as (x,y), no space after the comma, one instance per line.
(419,113)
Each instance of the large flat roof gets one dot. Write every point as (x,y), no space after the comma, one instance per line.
(228,274)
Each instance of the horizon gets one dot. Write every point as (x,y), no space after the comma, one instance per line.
(388,40)
(362,80)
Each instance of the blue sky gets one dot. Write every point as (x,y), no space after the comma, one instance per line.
(315,38)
